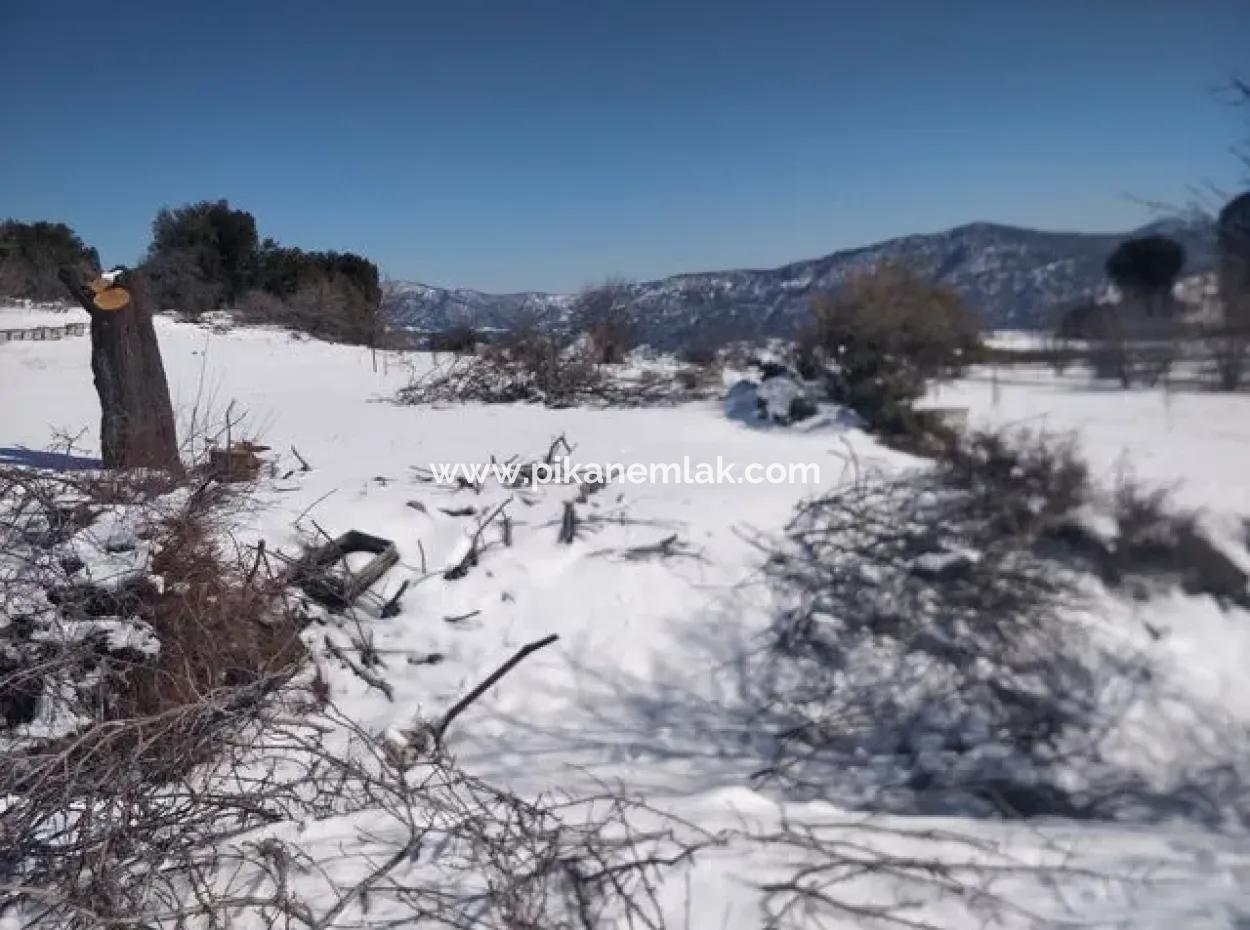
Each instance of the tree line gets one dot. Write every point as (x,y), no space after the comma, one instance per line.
(209,256)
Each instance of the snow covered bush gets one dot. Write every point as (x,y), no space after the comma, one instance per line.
(534,365)
(937,650)
(530,365)
(121,606)
(924,653)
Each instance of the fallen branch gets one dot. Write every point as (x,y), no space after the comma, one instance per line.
(391,607)
(461,568)
(665,548)
(463,704)
(360,672)
(568,524)
(303,463)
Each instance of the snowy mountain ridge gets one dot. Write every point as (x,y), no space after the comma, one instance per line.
(1014,276)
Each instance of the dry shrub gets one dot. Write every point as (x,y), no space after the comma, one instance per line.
(223,627)
(1024,477)
(965,588)
(605,314)
(219,626)
(924,664)
(325,305)
(459,340)
(528,364)
(135,486)
(699,355)
(879,339)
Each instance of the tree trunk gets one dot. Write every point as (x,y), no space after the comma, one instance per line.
(137,419)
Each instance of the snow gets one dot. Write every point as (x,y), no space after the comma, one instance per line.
(1195,439)
(641,689)
(29,316)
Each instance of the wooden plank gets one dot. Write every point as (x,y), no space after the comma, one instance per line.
(340,589)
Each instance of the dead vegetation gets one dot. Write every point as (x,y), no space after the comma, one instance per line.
(154,770)
(175,798)
(962,587)
(129,611)
(881,338)
(435,846)
(534,365)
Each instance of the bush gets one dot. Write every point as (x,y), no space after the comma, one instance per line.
(605,315)
(32,256)
(879,339)
(963,587)
(544,366)
(534,365)
(284,271)
(207,623)
(1085,318)
(327,306)
(330,295)
(459,340)
(1024,478)
(701,355)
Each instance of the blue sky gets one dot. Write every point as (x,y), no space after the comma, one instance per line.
(524,144)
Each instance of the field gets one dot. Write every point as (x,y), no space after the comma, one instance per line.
(644,689)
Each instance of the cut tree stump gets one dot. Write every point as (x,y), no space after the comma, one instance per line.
(137,418)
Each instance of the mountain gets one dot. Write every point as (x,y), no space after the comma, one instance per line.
(1015,276)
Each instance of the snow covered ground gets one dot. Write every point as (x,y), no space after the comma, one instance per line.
(27,316)
(641,687)
(1195,439)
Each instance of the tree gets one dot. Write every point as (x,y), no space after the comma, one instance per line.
(883,335)
(1142,330)
(137,420)
(1241,97)
(179,279)
(333,295)
(202,252)
(32,256)
(1082,318)
(1145,269)
(605,314)
(1233,237)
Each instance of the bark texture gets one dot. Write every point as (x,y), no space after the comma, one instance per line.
(137,419)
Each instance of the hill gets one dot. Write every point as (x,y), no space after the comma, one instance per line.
(1015,276)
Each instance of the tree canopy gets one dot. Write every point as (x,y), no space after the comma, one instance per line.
(32,254)
(1146,265)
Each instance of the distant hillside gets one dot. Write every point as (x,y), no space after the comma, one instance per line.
(1014,276)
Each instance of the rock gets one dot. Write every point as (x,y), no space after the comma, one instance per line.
(777,395)
(742,402)
(780,400)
